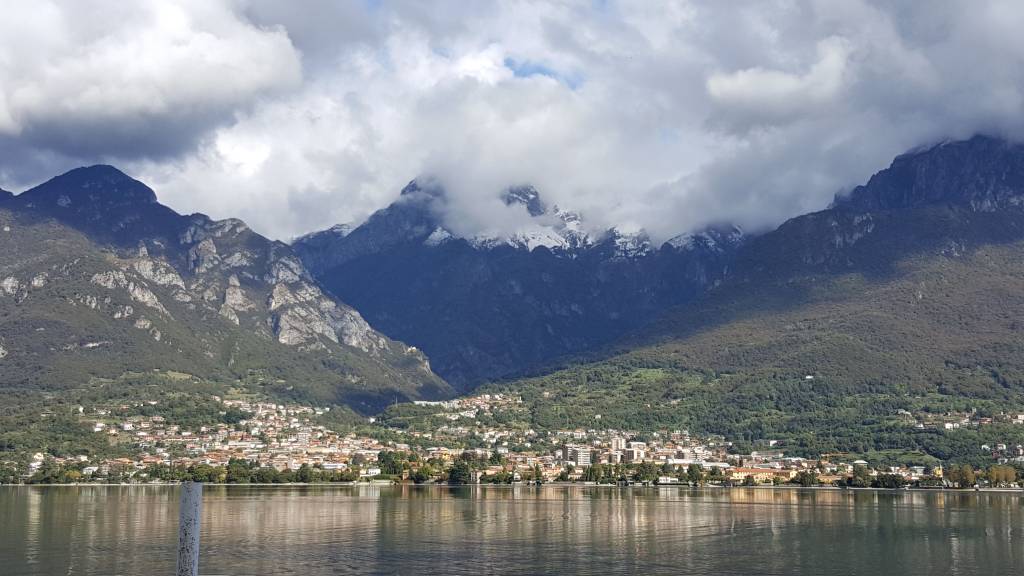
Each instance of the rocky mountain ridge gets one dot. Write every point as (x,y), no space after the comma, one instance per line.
(487,306)
(201,287)
(417,217)
(903,298)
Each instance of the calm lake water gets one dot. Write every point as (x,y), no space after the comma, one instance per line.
(502,530)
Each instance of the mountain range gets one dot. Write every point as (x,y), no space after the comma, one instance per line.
(902,297)
(491,306)
(97,279)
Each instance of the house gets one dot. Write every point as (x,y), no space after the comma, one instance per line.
(760,475)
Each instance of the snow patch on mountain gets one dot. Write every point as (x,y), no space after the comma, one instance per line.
(558,230)
(712,239)
(418,216)
(631,244)
(437,237)
(341,229)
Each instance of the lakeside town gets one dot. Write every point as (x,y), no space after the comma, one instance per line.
(267,442)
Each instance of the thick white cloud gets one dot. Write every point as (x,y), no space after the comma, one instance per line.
(666,116)
(96,79)
(777,96)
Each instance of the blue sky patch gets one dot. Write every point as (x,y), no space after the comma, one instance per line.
(525,69)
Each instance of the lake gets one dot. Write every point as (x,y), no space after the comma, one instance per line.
(314,530)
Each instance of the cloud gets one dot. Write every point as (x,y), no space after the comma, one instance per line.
(756,95)
(667,116)
(107,79)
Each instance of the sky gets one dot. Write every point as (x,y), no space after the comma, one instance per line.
(663,116)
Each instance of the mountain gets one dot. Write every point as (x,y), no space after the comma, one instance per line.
(97,278)
(493,305)
(841,330)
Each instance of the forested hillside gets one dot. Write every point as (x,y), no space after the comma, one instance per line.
(841,330)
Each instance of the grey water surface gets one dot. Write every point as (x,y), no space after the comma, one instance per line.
(316,530)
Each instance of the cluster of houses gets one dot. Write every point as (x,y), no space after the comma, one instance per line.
(286,437)
(958,420)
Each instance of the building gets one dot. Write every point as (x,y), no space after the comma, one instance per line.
(760,475)
(633,454)
(577,455)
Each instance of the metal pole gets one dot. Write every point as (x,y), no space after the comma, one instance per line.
(188,529)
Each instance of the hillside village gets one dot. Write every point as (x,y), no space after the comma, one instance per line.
(271,442)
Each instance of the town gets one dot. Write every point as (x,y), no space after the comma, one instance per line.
(267,442)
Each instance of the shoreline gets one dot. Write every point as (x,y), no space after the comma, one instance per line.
(514,486)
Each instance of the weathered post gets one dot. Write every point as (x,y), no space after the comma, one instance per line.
(188,529)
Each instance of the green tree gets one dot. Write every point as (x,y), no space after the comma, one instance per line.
(695,474)
(954,475)
(205,473)
(646,472)
(9,473)
(239,471)
(888,481)
(999,475)
(305,474)
(118,474)
(421,475)
(47,473)
(391,462)
(861,477)
(806,478)
(716,475)
(266,475)
(499,478)
(592,474)
(967,476)
(460,472)
(350,475)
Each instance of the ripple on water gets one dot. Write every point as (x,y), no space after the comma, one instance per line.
(314,530)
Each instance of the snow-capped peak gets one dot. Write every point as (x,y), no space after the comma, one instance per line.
(336,231)
(714,239)
(538,236)
(437,237)
(561,231)
(558,230)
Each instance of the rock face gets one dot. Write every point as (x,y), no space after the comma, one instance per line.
(942,199)
(982,174)
(211,291)
(493,305)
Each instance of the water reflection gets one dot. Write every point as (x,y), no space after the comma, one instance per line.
(513,530)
